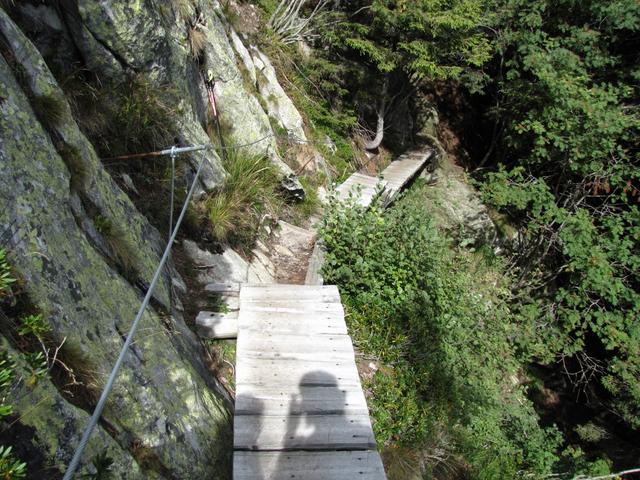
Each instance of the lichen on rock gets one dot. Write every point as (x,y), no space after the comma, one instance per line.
(162,404)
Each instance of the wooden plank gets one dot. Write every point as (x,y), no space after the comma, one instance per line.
(217,325)
(231,288)
(283,306)
(275,323)
(291,372)
(313,400)
(296,346)
(369,187)
(314,272)
(308,432)
(323,293)
(365,465)
(402,170)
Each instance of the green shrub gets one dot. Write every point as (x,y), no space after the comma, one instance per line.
(6,378)
(34,325)
(437,317)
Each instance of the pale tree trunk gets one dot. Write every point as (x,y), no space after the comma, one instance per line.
(377,140)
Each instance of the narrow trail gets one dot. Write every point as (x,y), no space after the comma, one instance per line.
(300,410)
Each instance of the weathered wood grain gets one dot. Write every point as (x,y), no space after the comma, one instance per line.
(298,388)
(364,187)
(402,171)
(354,465)
(308,432)
(273,323)
(308,400)
(295,373)
(217,325)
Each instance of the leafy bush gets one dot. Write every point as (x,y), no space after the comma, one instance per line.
(436,316)
(565,98)
(6,378)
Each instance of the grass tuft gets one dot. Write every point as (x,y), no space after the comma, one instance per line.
(250,191)
(197,41)
(76,165)
(182,8)
(49,109)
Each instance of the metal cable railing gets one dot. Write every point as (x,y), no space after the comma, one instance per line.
(93,421)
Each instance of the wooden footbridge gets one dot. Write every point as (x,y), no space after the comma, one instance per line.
(300,410)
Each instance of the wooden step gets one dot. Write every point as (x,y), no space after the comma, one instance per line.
(353,465)
(401,171)
(310,400)
(217,324)
(309,432)
(230,288)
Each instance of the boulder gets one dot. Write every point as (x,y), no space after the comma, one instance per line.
(457,206)
(225,267)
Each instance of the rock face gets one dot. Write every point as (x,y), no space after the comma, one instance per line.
(52,428)
(457,206)
(118,39)
(225,267)
(67,228)
(279,105)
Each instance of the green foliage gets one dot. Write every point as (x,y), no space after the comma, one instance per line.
(38,364)
(34,325)
(435,315)
(7,375)
(590,432)
(426,39)
(566,98)
(135,115)
(6,278)
(103,464)
(10,467)
(103,224)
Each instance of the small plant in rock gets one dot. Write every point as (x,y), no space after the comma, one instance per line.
(6,278)
(49,109)
(39,365)
(7,375)
(197,36)
(10,467)
(103,464)
(34,325)
(103,224)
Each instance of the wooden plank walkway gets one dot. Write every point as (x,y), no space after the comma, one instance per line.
(402,170)
(300,409)
(365,187)
(393,179)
